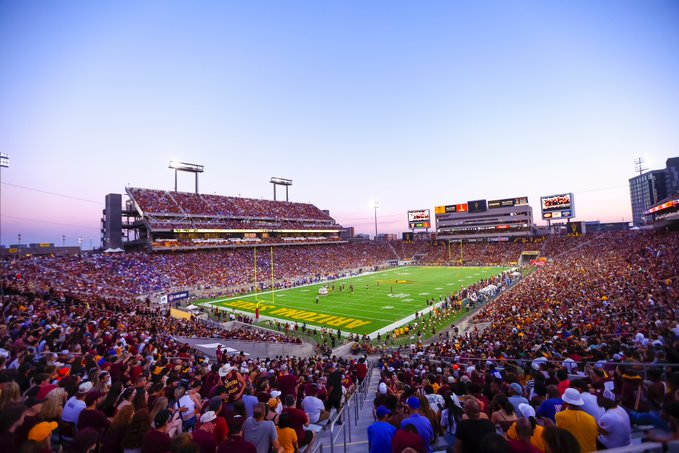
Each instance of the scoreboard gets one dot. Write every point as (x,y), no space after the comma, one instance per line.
(558,206)
(419,218)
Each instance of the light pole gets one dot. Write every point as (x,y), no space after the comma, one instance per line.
(4,163)
(19,238)
(63,240)
(80,243)
(376,205)
(91,245)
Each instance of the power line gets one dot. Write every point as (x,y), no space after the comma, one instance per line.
(47,221)
(52,193)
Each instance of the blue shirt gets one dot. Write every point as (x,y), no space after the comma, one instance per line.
(549,408)
(380,435)
(250,402)
(423,426)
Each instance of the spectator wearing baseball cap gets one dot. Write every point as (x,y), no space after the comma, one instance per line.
(91,417)
(536,440)
(204,435)
(157,440)
(421,423)
(76,403)
(381,433)
(516,396)
(42,434)
(578,422)
(221,430)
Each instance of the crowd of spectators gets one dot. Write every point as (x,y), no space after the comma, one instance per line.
(167,202)
(227,271)
(591,336)
(81,373)
(579,353)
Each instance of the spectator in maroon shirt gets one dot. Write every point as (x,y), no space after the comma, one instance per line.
(408,437)
(157,440)
(91,417)
(361,370)
(287,383)
(204,436)
(298,420)
(235,442)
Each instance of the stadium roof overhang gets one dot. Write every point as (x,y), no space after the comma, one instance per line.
(200,230)
(663,207)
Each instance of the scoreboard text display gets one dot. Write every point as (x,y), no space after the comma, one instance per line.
(507,202)
(557,206)
(419,219)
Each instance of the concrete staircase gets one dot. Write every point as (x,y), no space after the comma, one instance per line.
(356,417)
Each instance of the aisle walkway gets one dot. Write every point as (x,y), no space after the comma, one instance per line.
(358,428)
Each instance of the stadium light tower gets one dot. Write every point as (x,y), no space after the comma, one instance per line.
(4,163)
(184,166)
(376,204)
(280,182)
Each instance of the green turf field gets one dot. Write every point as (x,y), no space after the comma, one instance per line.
(401,292)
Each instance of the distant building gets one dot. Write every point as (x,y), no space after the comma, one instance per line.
(347,233)
(647,189)
(383,237)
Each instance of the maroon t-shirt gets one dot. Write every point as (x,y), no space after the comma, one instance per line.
(236,444)
(156,442)
(96,419)
(205,441)
(404,439)
(287,384)
(297,421)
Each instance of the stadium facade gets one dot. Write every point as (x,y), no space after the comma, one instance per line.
(480,220)
(161,220)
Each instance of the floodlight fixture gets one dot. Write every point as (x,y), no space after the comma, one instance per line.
(4,160)
(189,168)
(280,182)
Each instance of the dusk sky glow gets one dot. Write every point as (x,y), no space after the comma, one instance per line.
(412,104)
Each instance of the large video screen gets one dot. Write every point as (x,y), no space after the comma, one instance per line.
(477,206)
(419,218)
(557,206)
(420,215)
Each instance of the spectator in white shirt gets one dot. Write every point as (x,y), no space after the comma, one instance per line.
(591,406)
(614,425)
(76,403)
(314,407)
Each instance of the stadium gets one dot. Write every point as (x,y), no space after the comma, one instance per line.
(465,263)
(231,299)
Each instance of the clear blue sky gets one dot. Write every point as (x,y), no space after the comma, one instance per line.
(413,104)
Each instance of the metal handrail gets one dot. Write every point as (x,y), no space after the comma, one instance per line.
(345,424)
(353,404)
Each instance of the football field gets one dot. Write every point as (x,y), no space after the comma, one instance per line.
(377,301)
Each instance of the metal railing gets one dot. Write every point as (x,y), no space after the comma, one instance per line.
(345,425)
(351,409)
(649,447)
